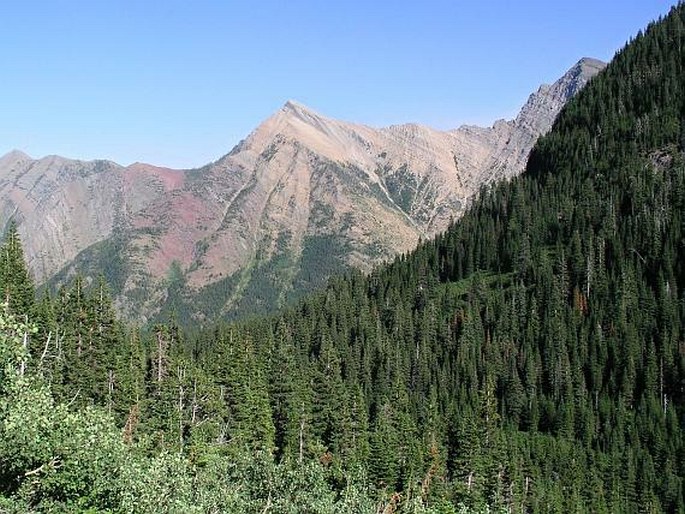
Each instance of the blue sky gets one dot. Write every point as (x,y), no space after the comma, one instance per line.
(179,82)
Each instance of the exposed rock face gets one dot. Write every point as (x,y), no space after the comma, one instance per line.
(301,197)
(510,142)
(63,206)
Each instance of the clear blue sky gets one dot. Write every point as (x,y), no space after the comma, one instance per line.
(179,82)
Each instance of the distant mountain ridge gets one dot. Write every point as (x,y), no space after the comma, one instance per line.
(303,196)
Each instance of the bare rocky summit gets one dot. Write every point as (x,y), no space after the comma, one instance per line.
(303,196)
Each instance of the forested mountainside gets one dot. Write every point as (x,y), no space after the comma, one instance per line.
(247,234)
(529,359)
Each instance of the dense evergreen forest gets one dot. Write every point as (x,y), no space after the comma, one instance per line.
(530,359)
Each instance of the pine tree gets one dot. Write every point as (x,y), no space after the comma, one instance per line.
(16,283)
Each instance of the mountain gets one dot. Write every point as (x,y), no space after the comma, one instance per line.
(531,357)
(63,206)
(302,197)
(528,359)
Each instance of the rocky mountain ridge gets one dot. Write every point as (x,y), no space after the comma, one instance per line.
(301,197)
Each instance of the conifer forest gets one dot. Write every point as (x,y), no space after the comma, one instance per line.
(530,359)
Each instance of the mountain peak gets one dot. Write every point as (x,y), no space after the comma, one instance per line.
(293,105)
(585,69)
(591,62)
(544,105)
(293,108)
(577,76)
(297,122)
(12,158)
(16,155)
